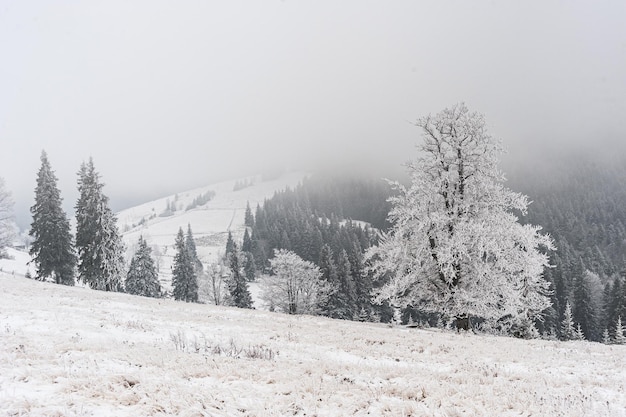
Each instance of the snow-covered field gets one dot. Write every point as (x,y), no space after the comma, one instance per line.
(69,351)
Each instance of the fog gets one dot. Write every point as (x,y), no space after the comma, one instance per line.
(167,96)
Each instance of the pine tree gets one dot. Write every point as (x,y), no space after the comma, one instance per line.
(620,332)
(142,278)
(567,325)
(585,313)
(52,249)
(579,335)
(249,266)
(230,245)
(329,275)
(184,278)
(249,218)
(606,338)
(237,284)
(246,246)
(190,244)
(98,242)
(345,299)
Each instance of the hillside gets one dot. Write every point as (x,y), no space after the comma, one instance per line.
(210,221)
(68,351)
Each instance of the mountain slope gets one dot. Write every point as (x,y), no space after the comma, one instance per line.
(69,351)
(210,222)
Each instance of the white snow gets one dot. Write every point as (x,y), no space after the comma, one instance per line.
(69,351)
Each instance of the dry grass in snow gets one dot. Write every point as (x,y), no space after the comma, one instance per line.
(76,352)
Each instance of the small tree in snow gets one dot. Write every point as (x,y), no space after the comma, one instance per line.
(142,277)
(456,247)
(579,335)
(184,278)
(606,338)
(237,282)
(620,333)
(295,286)
(568,331)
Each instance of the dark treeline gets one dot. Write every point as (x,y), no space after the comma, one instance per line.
(315,221)
(582,204)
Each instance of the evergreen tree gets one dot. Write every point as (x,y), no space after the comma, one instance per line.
(246,246)
(238,285)
(585,311)
(606,338)
(249,218)
(249,266)
(620,332)
(344,300)
(190,244)
(230,246)
(567,325)
(184,278)
(98,241)
(142,278)
(52,249)
(579,335)
(328,272)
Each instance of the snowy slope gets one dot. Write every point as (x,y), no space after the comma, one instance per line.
(68,351)
(210,222)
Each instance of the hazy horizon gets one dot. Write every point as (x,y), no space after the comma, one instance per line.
(170,96)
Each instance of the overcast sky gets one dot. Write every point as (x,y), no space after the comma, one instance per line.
(170,95)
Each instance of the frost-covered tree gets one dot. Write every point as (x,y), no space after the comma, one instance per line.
(184,278)
(456,246)
(620,332)
(568,332)
(7,224)
(237,282)
(295,286)
(52,249)
(98,241)
(142,277)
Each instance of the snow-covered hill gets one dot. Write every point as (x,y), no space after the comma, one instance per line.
(210,222)
(69,351)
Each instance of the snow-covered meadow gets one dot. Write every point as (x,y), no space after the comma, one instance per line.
(70,351)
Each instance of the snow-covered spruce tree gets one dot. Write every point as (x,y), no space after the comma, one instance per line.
(98,241)
(568,332)
(184,278)
(295,286)
(237,282)
(190,244)
(455,246)
(619,337)
(7,224)
(52,249)
(142,277)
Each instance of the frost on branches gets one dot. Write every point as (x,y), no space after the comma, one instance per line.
(456,247)
(295,286)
